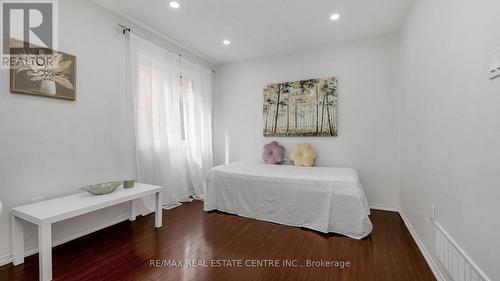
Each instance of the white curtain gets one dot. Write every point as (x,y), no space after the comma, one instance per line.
(198,97)
(172,104)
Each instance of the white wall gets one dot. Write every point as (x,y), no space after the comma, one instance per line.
(450,134)
(367,113)
(51,147)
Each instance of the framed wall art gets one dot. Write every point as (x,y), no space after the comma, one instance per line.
(42,72)
(301,108)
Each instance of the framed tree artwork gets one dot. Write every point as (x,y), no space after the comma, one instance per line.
(301,108)
(42,72)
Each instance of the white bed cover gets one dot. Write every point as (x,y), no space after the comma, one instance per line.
(325,199)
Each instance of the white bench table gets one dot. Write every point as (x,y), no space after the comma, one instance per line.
(45,213)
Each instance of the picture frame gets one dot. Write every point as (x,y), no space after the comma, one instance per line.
(305,108)
(42,72)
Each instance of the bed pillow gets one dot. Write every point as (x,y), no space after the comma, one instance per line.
(274,153)
(303,155)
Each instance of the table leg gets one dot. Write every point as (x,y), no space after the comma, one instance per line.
(159,208)
(17,241)
(133,210)
(45,251)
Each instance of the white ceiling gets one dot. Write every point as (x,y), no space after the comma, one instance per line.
(263,27)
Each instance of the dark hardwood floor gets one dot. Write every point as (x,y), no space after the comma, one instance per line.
(124,251)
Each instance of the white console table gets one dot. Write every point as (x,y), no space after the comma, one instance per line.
(45,213)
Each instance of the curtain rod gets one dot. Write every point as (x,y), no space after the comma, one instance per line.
(126,29)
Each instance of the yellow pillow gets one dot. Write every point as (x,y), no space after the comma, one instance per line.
(303,155)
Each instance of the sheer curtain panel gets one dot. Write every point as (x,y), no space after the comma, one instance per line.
(171,109)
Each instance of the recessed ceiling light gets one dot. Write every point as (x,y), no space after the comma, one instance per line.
(174,4)
(335,17)
(226,42)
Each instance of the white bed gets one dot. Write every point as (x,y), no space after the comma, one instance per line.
(321,198)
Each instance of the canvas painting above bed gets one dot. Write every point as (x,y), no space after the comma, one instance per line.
(301,108)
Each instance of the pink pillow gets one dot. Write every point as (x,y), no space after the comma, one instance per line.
(274,153)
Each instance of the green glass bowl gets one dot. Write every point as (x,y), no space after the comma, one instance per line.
(102,188)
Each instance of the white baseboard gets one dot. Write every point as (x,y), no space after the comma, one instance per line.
(383,207)
(428,258)
(6,259)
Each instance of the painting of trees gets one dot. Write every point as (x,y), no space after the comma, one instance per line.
(301,108)
(268,103)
